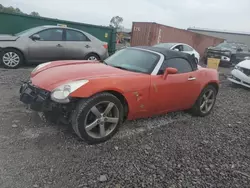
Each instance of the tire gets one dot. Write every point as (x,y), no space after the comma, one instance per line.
(83,112)
(197,109)
(93,57)
(16,58)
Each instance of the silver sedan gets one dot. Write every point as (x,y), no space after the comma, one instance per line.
(50,43)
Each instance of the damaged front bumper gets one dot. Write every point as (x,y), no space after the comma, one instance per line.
(39,100)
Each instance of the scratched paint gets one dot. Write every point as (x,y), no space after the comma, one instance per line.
(155,88)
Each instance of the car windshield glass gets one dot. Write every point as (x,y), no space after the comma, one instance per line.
(164,45)
(28,32)
(226,45)
(134,60)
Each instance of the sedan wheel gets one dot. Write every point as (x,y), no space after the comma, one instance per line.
(11,59)
(98,118)
(92,58)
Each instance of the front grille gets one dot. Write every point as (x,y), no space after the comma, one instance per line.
(246,71)
(216,53)
(235,78)
(39,91)
(246,83)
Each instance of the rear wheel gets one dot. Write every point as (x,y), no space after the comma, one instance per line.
(205,102)
(98,118)
(11,58)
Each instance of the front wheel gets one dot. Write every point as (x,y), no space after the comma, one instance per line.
(11,58)
(205,102)
(98,118)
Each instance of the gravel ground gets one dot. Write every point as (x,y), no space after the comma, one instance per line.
(175,150)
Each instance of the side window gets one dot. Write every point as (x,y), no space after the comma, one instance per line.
(182,65)
(72,35)
(51,35)
(179,47)
(187,48)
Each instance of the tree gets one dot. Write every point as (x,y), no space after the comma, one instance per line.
(116,22)
(34,14)
(15,10)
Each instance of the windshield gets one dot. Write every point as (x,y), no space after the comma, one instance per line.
(227,45)
(165,45)
(28,32)
(134,60)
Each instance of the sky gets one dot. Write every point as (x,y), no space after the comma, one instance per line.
(231,15)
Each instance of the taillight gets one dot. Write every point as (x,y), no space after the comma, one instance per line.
(105,46)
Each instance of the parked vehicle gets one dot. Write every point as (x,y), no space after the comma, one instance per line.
(228,53)
(182,48)
(135,82)
(241,74)
(49,43)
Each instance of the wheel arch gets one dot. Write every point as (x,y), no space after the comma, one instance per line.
(214,84)
(92,53)
(121,98)
(17,49)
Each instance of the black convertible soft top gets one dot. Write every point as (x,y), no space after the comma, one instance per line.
(169,54)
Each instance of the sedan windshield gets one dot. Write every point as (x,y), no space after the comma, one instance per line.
(28,32)
(134,60)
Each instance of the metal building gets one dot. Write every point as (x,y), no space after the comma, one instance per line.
(229,36)
(150,33)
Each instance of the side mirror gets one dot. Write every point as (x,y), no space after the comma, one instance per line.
(168,71)
(176,49)
(35,37)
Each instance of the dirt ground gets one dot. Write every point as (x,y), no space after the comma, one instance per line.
(175,150)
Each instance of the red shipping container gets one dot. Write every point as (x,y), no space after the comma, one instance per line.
(149,34)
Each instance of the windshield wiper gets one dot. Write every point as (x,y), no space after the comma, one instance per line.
(123,68)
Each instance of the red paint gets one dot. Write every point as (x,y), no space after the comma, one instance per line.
(146,95)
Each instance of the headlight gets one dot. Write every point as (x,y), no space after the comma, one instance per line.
(61,93)
(40,66)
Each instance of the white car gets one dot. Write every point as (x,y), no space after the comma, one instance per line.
(241,73)
(185,48)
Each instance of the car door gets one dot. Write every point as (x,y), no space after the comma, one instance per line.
(177,91)
(49,47)
(77,45)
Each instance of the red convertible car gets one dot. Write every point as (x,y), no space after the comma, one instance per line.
(136,82)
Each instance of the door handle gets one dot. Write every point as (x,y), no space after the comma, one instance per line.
(59,45)
(87,46)
(191,78)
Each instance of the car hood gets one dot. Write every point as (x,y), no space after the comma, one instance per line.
(219,49)
(244,64)
(61,72)
(8,38)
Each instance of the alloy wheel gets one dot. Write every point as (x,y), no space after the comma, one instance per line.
(102,119)
(11,59)
(207,101)
(92,58)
